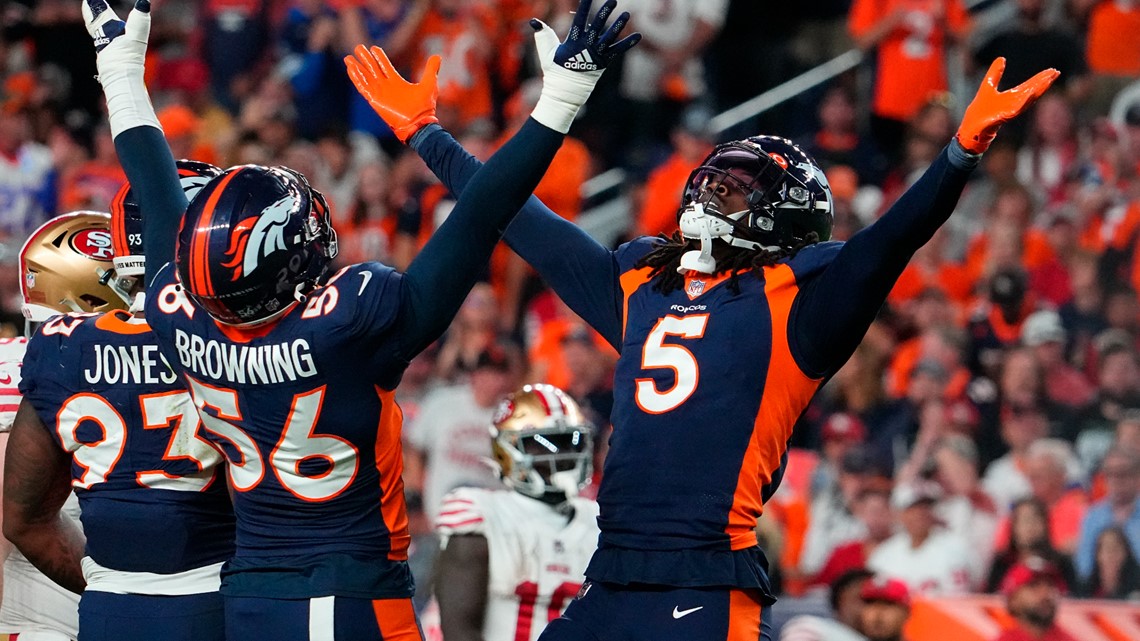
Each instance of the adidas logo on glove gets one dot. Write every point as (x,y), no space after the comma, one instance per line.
(581,62)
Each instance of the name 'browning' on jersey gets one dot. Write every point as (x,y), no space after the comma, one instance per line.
(273,404)
(131,426)
(536,554)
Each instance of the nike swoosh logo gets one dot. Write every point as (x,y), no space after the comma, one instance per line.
(5,379)
(677,614)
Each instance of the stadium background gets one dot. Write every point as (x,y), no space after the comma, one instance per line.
(1004,366)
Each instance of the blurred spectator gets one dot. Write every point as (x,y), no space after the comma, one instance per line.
(846,597)
(1029,538)
(1113,51)
(995,323)
(27,177)
(841,434)
(832,521)
(1120,508)
(1064,384)
(473,332)
(1030,45)
(459,32)
(370,229)
(692,141)
(1033,591)
(910,40)
(1115,573)
(1052,149)
(927,558)
(1049,464)
(312,62)
(873,510)
(838,142)
(94,183)
(965,509)
(449,444)
(664,72)
(998,172)
(886,609)
(236,33)
(1118,387)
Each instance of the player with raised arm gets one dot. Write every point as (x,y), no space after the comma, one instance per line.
(726,330)
(513,558)
(104,414)
(294,374)
(59,265)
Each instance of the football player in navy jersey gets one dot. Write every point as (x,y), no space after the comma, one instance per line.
(294,374)
(726,330)
(158,522)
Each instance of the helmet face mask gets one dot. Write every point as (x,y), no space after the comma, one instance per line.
(61,265)
(254,241)
(786,194)
(541,444)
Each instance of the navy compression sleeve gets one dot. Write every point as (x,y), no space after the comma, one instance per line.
(582,272)
(150,169)
(831,316)
(440,277)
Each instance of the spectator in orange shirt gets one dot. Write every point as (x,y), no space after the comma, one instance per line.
(93,184)
(838,141)
(370,230)
(910,38)
(692,141)
(1048,463)
(1113,50)
(457,31)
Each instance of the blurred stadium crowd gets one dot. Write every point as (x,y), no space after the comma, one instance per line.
(991,414)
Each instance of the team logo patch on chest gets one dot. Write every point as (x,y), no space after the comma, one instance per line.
(695,288)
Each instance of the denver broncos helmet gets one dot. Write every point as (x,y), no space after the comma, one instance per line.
(254,241)
(60,264)
(787,193)
(126,225)
(541,443)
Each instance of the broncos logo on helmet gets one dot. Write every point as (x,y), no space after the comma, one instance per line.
(248,247)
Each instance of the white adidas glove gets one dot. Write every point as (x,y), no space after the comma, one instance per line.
(120,54)
(570,69)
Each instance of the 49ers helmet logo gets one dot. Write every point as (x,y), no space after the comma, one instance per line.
(93,243)
(256,238)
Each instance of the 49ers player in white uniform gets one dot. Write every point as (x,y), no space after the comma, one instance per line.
(60,266)
(513,559)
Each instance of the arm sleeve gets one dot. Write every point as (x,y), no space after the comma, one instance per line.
(443,273)
(582,272)
(149,166)
(834,310)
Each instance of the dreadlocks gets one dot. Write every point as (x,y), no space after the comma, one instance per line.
(665,259)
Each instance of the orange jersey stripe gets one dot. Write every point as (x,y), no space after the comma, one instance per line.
(116,321)
(787,391)
(200,242)
(396,619)
(390,464)
(744,610)
(630,282)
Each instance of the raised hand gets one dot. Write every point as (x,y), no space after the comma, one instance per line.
(991,108)
(407,107)
(120,46)
(571,68)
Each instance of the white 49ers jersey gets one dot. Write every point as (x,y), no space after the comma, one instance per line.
(11,359)
(536,555)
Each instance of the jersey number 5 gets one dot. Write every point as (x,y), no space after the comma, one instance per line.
(656,354)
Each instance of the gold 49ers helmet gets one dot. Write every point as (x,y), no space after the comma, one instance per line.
(61,264)
(541,443)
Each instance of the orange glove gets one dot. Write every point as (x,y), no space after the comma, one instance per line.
(991,108)
(407,107)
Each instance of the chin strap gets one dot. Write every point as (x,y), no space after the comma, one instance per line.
(698,224)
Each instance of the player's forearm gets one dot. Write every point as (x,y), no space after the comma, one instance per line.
(831,317)
(580,270)
(54,547)
(439,278)
(149,165)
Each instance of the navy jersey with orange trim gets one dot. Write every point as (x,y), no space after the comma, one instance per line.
(710,381)
(149,488)
(305,414)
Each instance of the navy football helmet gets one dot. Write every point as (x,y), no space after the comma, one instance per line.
(254,240)
(126,226)
(787,193)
